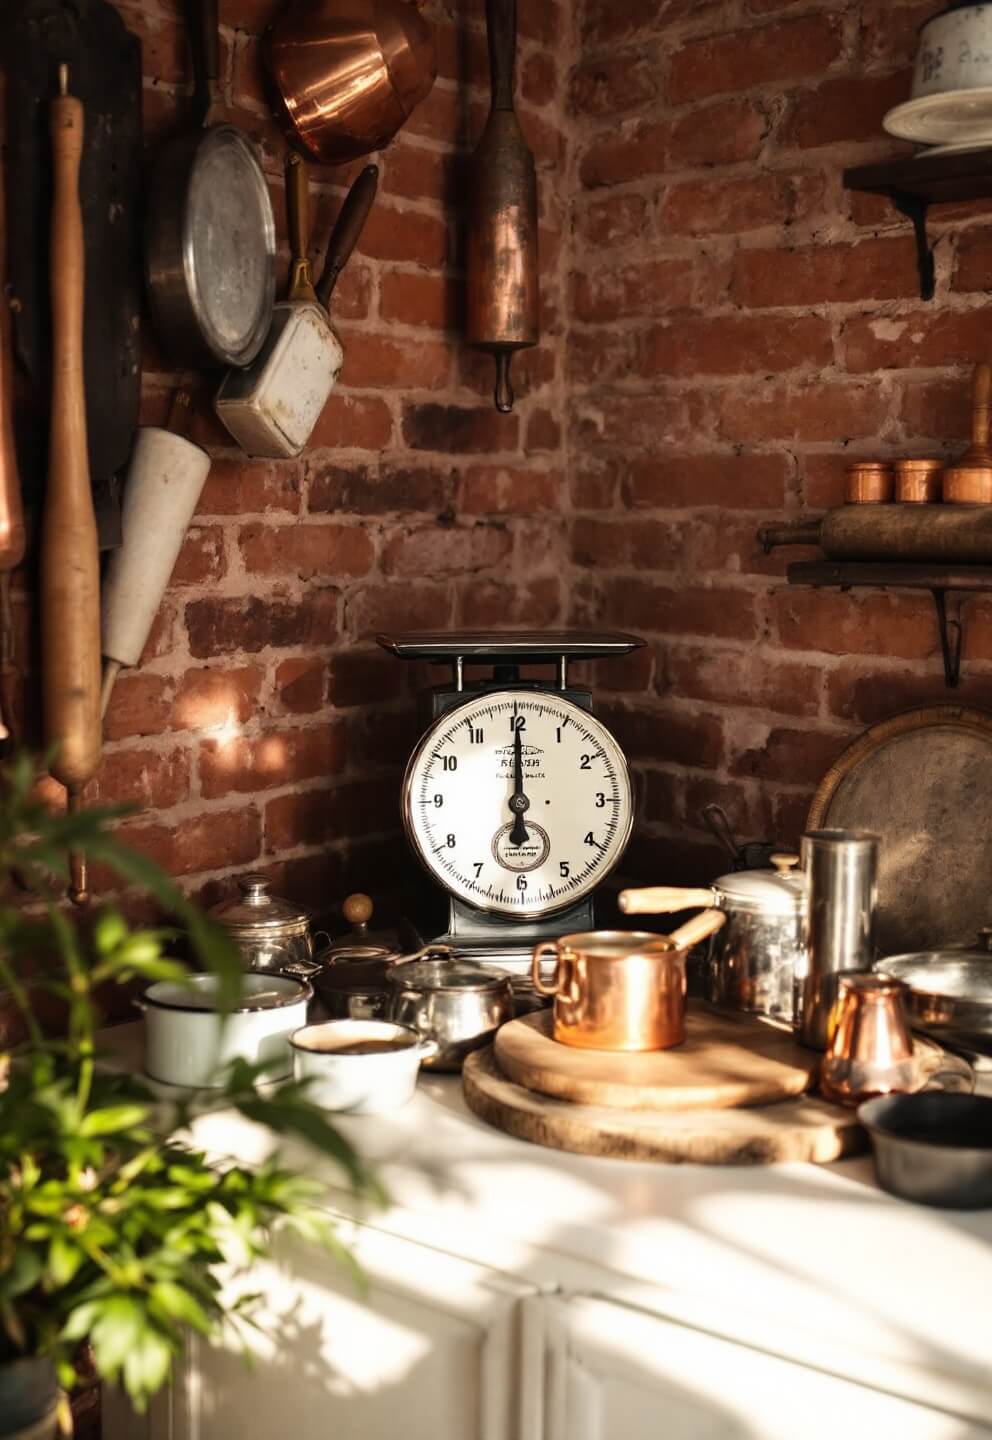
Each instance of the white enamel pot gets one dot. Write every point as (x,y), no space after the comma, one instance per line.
(382,1078)
(955,51)
(189,1042)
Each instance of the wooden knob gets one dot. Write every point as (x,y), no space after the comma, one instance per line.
(785,863)
(358,910)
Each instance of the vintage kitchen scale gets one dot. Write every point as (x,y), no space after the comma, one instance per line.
(516,800)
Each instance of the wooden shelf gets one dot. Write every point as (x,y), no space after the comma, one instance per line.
(949,585)
(914,184)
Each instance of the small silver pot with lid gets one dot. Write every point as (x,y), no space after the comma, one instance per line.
(456,1003)
(272,934)
(755,960)
(350,979)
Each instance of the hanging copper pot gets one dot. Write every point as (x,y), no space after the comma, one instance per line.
(349,72)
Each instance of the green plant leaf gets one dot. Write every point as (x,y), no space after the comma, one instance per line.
(176,1303)
(113,1119)
(146,1367)
(64,1259)
(119,1327)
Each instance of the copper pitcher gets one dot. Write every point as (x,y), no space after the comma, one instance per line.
(349,72)
(620,989)
(869,1050)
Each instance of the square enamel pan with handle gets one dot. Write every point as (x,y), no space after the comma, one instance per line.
(210,238)
(272,407)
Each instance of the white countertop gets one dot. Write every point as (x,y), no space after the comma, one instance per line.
(811,1263)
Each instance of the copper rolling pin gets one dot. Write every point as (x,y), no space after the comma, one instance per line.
(70,566)
(11,508)
(502,300)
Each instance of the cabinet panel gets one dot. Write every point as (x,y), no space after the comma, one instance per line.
(614,1371)
(431,1350)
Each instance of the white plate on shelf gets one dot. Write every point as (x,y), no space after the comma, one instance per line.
(958,117)
(965,147)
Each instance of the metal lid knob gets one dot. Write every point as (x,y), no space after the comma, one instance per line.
(255,889)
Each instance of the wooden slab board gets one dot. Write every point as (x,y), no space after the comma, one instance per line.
(803,1129)
(727,1060)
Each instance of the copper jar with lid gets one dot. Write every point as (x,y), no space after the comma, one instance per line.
(869,482)
(918,480)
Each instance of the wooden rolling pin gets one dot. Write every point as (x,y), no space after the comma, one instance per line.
(942,534)
(70,564)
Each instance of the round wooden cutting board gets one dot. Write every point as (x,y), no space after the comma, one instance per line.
(726,1061)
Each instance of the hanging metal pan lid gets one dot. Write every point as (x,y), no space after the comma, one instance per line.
(210,236)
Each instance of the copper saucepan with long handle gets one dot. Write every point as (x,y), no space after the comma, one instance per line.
(619,989)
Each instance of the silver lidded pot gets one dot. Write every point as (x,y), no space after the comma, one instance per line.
(753,961)
(351,979)
(456,1003)
(272,934)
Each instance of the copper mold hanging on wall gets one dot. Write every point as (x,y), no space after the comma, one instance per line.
(502,300)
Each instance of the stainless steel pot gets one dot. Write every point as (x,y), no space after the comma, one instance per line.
(454,1002)
(754,960)
(949,992)
(272,934)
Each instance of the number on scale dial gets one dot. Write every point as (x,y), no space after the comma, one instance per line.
(518,802)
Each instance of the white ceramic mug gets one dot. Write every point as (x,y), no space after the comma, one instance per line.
(363,1066)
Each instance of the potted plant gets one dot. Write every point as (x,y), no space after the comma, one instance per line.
(115,1232)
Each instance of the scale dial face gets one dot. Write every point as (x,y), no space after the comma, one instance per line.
(518,802)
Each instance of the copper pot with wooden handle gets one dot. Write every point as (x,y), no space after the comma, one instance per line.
(621,989)
(70,560)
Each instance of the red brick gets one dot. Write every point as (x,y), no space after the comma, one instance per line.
(454,429)
(642,604)
(139,705)
(252,623)
(543,432)
(750,678)
(666,416)
(916,339)
(661,734)
(377,362)
(606,21)
(392,234)
(238,487)
(628,153)
(863,693)
(245,764)
(540,20)
(874,269)
(299,685)
(973,265)
(394,487)
(834,412)
(202,558)
(354,422)
(738,481)
(306,550)
(209,698)
(785,51)
(609,85)
(504,490)
(462,54)
(374,608)
(210,841)
(417,299)
(153,779)
(645,288)
(363,677)
(735,345)
(724,133)
(446,550)
(858,623)
(734,206)
(937,409)
(313,817)
(746,805)
(800,756)
(494,604)
(612,222)
(597,355)
(890,32)
(626,544)
(842,109)
(539,79)
(417,173)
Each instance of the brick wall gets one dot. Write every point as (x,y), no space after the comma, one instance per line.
(741,326)
(263,729)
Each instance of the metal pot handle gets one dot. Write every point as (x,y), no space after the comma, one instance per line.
(546,950)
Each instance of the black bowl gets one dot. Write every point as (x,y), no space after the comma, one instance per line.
(934,1148)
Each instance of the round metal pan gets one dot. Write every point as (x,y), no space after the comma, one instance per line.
(948,991)
(210,240)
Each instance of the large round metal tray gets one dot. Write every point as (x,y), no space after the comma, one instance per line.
(946,993)
(923,782)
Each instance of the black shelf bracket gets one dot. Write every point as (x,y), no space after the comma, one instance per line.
(916,211)
(951,632)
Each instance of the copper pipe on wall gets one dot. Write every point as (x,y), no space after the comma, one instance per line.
(502,299)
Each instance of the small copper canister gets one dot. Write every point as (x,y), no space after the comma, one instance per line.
(918,482)
(869,482)
(621,989)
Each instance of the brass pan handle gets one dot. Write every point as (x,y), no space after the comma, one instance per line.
(547,950)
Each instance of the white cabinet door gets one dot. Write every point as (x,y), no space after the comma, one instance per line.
(435,1349)
(616,1373)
